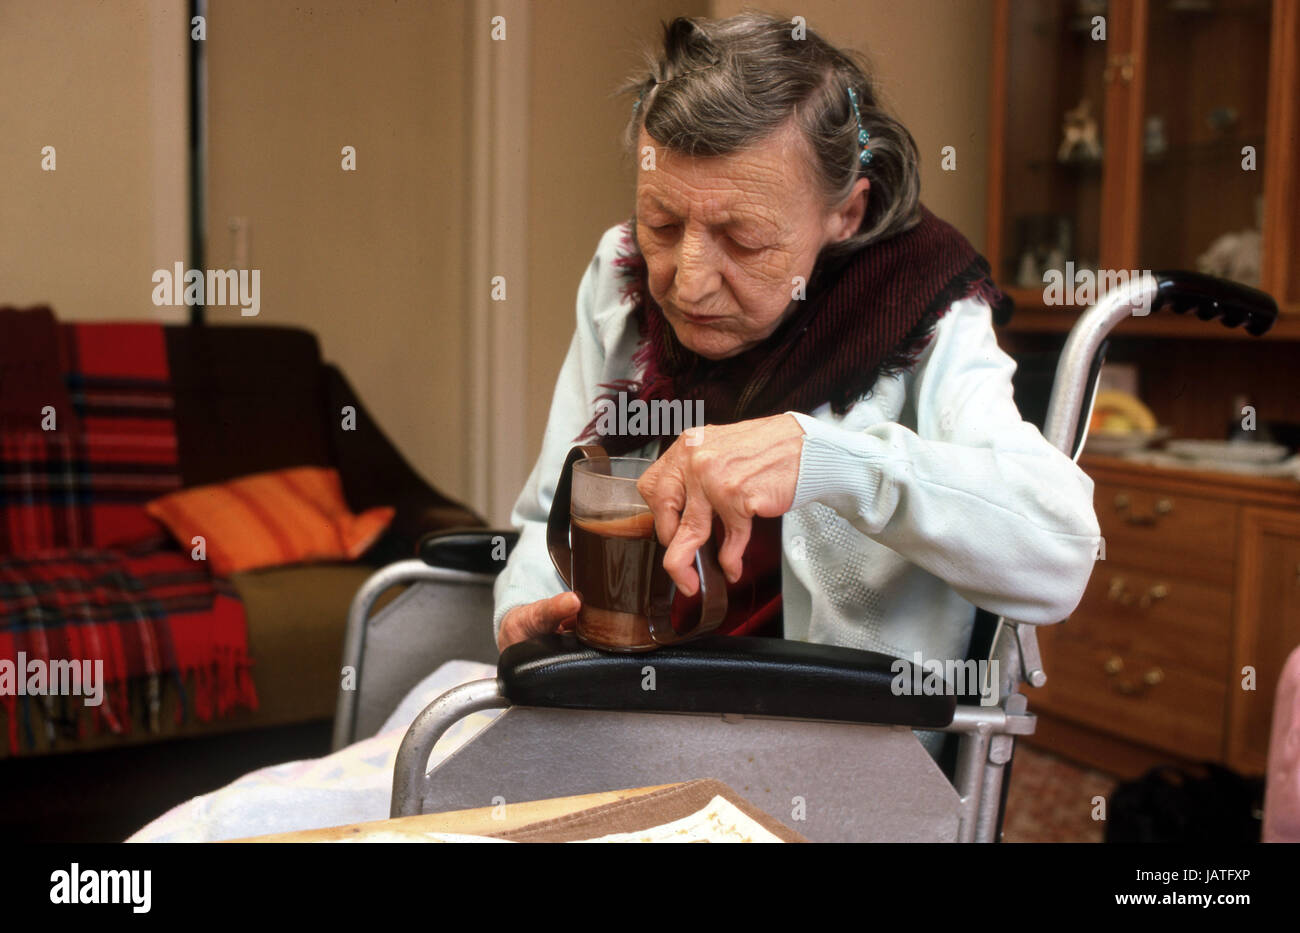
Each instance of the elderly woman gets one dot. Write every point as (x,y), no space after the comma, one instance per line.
(862,462)
(863,459)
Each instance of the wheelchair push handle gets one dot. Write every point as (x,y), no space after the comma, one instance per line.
(1231,302)
(1079,367)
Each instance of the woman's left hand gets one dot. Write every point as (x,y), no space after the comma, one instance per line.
(738,471)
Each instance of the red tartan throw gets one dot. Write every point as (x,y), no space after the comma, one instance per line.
(85,574)
(150,616)
(85,483)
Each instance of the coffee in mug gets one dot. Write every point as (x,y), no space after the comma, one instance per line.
(602,540)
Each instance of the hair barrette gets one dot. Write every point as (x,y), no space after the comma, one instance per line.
(864,156)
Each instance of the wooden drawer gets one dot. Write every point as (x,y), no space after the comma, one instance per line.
(1168,532)
(1174,619)
(1183,713)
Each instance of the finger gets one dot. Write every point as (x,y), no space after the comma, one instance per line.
(731,556)
(662,489)
(693,530)
(545,616)
(551,612)
(729,501)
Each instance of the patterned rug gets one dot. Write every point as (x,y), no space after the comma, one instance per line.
(1051,799)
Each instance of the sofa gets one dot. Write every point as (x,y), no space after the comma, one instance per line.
(250,399)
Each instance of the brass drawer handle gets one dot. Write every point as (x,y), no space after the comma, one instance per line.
(1159,591)
(1118,593)
(1152,678)
(1163,506)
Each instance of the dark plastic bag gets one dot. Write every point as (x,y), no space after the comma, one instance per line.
(1208,803)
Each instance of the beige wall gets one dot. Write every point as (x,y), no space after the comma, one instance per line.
(932,59)
(372,260)
(581,182)
(105,85)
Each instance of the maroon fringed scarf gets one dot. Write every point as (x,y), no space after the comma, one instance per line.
(865,316)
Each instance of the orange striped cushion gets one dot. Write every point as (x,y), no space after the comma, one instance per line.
(289,516)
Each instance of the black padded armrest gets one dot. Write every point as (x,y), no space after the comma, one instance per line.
(476,550)
(750,676)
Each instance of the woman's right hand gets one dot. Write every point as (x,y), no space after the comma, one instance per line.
(558,613)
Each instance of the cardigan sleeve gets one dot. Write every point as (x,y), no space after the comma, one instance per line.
(974,495)
(529,575)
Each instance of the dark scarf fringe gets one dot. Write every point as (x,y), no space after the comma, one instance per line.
(634,291)
(974,281)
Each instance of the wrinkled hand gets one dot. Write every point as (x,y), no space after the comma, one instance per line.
(558,613)
(737,471)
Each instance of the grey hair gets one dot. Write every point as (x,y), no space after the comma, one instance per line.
(720,86)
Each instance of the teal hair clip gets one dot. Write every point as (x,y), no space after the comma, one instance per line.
(637,104)
(863,136)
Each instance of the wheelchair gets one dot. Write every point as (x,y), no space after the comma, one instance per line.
(812,734)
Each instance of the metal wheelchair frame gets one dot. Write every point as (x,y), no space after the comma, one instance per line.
(895,791)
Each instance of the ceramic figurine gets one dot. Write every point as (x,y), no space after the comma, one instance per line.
(1233,256)
(1079,142)
(1155,143)
(1028,276)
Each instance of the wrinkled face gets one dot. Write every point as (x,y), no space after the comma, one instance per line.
(725,237)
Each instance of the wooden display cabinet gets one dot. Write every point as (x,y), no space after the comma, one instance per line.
(1196,105)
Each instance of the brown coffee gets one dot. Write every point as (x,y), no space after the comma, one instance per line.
(617,569)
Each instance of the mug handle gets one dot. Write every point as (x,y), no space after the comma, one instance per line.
(713,601)
(557,522)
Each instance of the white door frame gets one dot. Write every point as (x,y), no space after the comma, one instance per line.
(497,441)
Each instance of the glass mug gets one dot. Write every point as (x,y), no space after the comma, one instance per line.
(602,541)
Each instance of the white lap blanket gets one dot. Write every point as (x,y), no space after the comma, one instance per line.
(353,785)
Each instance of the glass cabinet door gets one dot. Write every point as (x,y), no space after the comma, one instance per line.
(1202,140)
(1054,151)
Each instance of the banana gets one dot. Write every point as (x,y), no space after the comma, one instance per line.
(1120,413)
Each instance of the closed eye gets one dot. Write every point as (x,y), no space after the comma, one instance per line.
(745,247)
